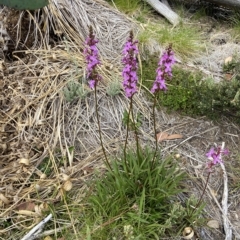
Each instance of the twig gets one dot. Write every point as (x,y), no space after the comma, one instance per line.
(37,229)
(165,11)
(226,225)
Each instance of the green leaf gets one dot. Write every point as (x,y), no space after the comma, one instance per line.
(25,4)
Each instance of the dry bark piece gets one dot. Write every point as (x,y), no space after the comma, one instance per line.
(165,136)
(27,213)
(4,199)
(67,186)
(174,136)
(162,136)
(213,223)
(24,161)
(29,206)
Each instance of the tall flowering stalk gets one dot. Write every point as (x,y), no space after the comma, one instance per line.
(214,156)
(130,80)
(92,60)
(129,61)
(164,72)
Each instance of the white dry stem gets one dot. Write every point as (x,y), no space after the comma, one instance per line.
(37,229)
(224,207)
(226,223)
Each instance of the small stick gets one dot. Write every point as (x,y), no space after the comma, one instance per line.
(226,225)
(37,229)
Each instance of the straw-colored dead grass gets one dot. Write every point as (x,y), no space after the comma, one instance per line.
(38,125)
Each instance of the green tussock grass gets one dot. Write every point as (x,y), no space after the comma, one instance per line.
(127,6)
(235,25)
(138,200)
(185,39)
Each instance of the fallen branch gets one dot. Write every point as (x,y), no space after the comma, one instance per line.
(226,225)
(37,229)
(164,9)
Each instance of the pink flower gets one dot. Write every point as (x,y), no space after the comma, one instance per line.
(129,72)
(92,59)
(164,70)
(215,156)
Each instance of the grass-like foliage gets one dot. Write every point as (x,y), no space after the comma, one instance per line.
(185,39)
(140,193)
(235,24)
(126,5)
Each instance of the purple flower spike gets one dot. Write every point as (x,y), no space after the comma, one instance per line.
(92,59)
(215,156)
(129,72)
(164,70)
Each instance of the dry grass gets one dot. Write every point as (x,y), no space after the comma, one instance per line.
(38,125)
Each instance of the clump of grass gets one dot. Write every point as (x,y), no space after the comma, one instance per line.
(185,39)
(126,6)
(235,25)
(134,195)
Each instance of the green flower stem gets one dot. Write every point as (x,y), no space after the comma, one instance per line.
(126,139)
(130,111)
(99,129)
(135,129)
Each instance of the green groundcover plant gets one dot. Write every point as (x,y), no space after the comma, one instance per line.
(196,94)
(136,198)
